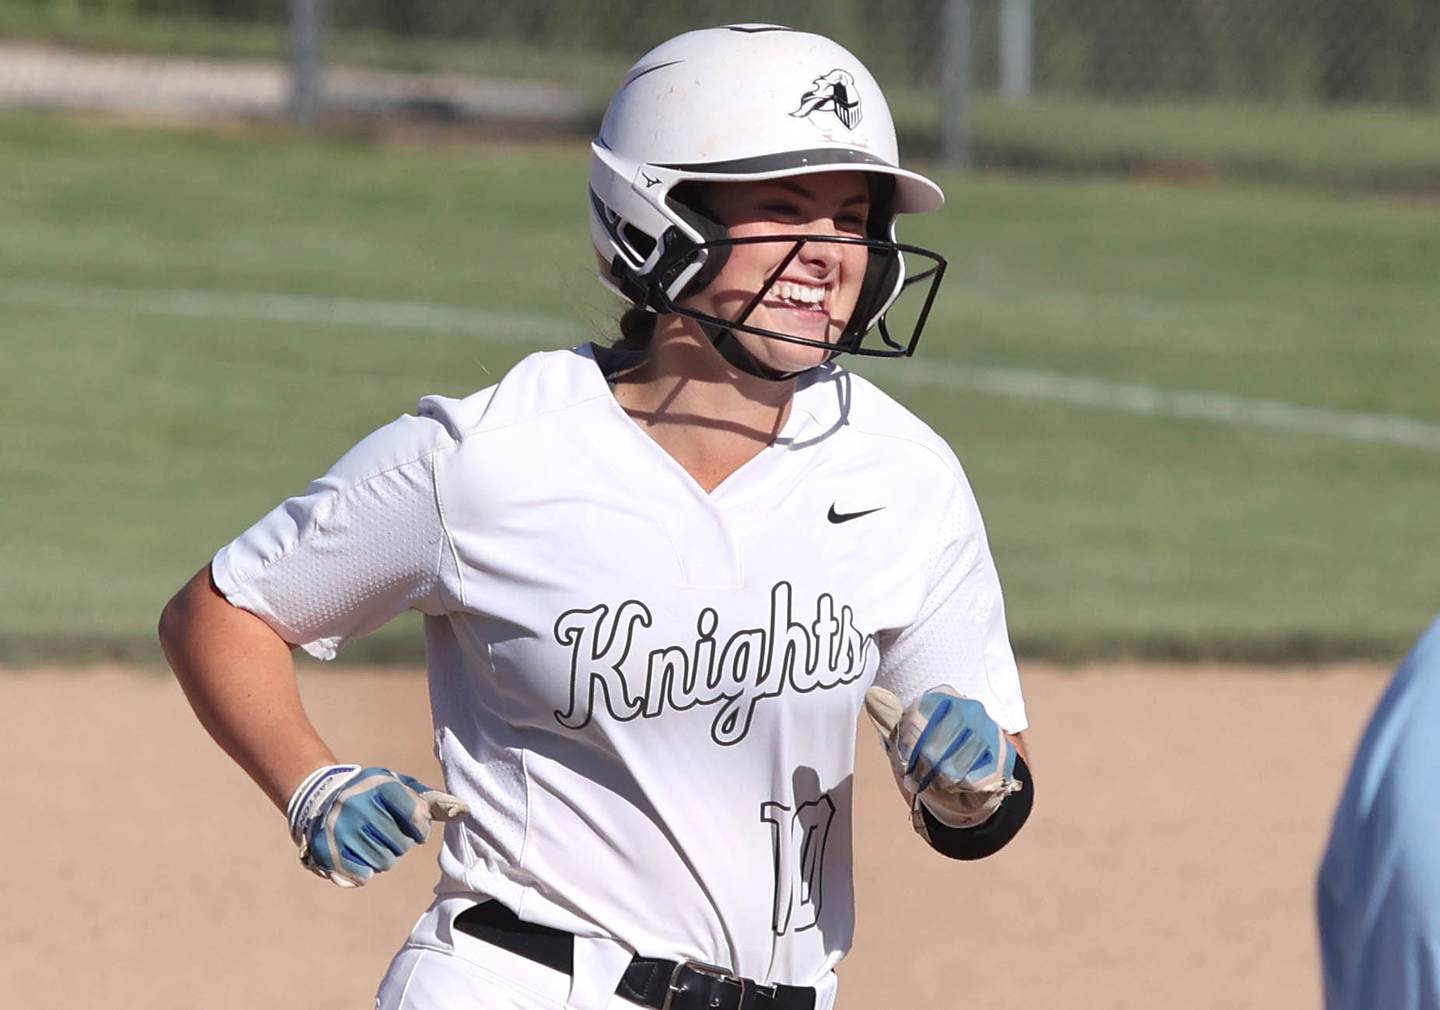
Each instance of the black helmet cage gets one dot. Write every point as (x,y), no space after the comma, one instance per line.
(877,290)
(679,253)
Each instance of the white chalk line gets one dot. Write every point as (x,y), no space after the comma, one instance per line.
(1152,401)
(526,328)
(280,308)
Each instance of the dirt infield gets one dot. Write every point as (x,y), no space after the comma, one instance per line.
(1179,818)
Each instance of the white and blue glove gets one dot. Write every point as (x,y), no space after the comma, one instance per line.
(947,753)
(352,823)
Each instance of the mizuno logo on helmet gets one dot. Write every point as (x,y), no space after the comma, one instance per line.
(835,92)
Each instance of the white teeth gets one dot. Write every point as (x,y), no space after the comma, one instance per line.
(798,292)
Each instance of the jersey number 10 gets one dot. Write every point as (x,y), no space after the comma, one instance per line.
(799,837)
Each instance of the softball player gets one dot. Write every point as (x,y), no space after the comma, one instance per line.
(1379,887)
(660,580)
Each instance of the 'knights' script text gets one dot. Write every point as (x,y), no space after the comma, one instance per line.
(751,664)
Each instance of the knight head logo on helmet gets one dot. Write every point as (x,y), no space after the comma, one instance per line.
(834,92)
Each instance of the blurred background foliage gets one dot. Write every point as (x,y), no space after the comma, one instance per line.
(1379,51)
(1320,90)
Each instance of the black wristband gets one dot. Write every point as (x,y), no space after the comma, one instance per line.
(992,836)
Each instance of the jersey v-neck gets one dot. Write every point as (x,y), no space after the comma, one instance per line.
(756,476)
(707,531)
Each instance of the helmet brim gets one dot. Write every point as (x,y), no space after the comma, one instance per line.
(914,194)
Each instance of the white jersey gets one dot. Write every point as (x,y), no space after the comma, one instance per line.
(648,694)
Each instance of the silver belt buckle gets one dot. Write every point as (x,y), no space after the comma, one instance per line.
(714,971)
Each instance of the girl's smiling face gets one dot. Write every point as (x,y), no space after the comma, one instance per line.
(816,293)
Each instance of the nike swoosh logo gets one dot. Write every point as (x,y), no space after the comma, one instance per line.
(845,517)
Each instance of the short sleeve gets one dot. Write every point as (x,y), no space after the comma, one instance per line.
(365,543)
(958,637)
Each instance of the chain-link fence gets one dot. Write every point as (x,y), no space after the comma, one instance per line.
(552,63)
(1285,50)
(1380,51)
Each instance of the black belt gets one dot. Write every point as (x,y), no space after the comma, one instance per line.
(652,982)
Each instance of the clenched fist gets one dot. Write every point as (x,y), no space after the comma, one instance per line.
(946,752)
(351,822)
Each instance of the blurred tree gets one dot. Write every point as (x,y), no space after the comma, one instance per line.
(1352,36)
(1330,50)
(1420,61)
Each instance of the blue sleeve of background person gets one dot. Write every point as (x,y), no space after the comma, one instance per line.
(1379,889)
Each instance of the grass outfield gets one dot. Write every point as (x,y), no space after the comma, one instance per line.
(154,402)
(1392,148)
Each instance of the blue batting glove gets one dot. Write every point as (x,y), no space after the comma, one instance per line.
(946,752)
(958,744)
(351,822)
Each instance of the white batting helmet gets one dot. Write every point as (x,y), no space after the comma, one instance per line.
(745,103)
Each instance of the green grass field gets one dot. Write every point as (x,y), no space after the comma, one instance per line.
(1395,149)
(158,394)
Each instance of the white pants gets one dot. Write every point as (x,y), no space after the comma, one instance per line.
(485,978)
(444,969)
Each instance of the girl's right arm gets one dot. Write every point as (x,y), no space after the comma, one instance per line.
(239,677)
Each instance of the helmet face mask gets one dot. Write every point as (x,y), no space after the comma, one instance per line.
(887,276)
(748,104)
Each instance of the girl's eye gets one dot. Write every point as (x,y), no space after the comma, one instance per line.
(851,222)
(785,209)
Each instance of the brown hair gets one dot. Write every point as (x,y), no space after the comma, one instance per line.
(637,329)
(637,325)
